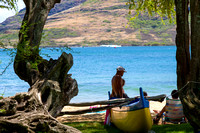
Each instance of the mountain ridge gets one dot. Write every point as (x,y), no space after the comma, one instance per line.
(66,4)
(101,22)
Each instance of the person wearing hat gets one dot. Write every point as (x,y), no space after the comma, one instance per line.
(118,83)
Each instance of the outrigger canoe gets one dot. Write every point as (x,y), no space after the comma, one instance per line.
(134,117)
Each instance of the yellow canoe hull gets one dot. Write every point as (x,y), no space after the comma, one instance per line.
(132,121)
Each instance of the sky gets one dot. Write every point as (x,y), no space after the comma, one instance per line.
(4,13)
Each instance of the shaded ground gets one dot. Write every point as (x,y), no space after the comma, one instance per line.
(82,118)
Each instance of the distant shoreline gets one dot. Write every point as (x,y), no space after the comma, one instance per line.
(76,46)
(101,46)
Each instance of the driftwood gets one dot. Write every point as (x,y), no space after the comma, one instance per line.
(112,103)
(159,98)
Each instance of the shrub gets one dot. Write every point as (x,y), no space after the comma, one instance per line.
(106,42)
(108,30)
(106,21)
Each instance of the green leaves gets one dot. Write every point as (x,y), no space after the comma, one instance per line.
(9,4)
(1,95)
(164,8)
(2,110)
(11,52)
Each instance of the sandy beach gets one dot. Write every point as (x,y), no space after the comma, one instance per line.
(99,116)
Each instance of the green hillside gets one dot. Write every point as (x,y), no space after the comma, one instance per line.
(93,23)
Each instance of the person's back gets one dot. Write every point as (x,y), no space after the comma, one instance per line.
(117,86)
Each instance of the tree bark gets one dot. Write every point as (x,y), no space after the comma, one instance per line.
(30,34)
(193,94)
(182,42)
(25,114)
(188,69)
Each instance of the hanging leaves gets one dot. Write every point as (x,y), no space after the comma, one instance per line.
(164,8)
(9,4)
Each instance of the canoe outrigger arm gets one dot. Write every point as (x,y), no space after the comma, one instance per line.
(158,98)
(108,104)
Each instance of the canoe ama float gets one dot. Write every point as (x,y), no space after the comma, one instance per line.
(134,117)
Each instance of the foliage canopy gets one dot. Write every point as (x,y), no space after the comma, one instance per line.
(8,4)
(164,8)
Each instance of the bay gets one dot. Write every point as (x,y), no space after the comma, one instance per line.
(151,67)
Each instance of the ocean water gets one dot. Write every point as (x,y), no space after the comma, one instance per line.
(151,67)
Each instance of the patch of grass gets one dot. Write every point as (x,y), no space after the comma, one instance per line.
(2,110)
(165,35)
(153,43)
(88,2)
(92,21)
(138,36)
(12,22)
(116,7)
(128,43)
(108,30)
(153,24)
(107,21)
(1,97)
(86,43)
(9,36)
(164,42)
(106,42)
(47,42)
(56,33)
(145,31)
(99,127)
(173,128)
(94,127)
(123,0)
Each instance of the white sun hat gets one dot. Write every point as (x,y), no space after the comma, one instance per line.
(120,68)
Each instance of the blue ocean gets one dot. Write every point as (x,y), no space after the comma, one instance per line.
(151,67)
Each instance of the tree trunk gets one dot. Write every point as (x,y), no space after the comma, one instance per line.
(182,42)
(35,110)
(188,70)
(47,78)
(51,88)
(25,113)
(193,98)
(29,40)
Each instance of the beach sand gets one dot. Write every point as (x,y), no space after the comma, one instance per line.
(99,116)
